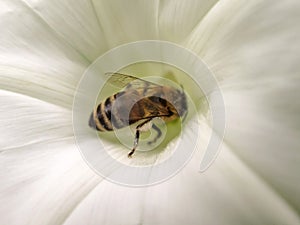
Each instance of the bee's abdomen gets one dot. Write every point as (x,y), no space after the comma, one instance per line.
(101,117)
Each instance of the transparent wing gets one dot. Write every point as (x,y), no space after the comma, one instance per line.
(123,80)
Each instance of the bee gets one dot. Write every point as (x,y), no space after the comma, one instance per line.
(139,101)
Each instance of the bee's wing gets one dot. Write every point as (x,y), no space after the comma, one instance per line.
(122,80)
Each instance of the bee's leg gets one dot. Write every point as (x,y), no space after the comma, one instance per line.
(157,136)
(146,125)
(135,144)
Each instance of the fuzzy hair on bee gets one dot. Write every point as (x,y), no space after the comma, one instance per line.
(139,101)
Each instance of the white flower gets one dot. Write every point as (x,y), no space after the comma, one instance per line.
(253,49)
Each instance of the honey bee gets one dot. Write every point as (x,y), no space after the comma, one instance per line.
(139,101)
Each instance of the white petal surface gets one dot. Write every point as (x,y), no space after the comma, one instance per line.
(42,183)
(43,176)
(127,21)
(178,18)
(34,59)
(77,24)
(229,193)
(253,49)
(26,121)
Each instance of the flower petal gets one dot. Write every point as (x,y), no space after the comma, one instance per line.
(127,21)
(77,24)
(43,183)
(253,49)
(223,195)
(34,59)
(178,18)
(25,121)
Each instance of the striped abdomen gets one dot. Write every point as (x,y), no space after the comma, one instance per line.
(113,113)
(100,118)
